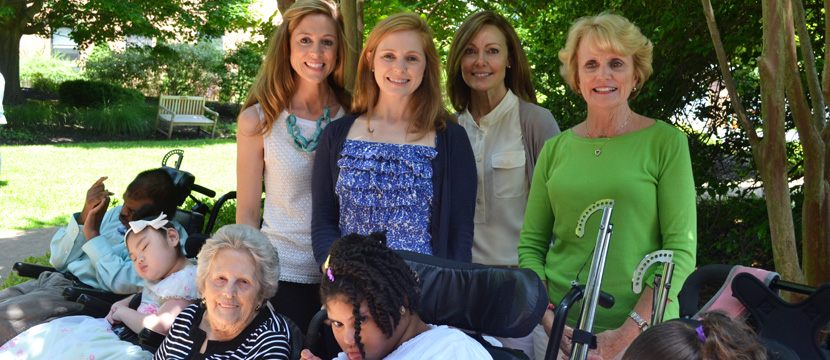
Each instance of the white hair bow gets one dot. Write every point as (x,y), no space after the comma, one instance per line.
(139,225)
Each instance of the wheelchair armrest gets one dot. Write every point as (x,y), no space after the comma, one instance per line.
(315,332)
(72,293)
(30,270)
(150,340)
(94,307)
(214,213)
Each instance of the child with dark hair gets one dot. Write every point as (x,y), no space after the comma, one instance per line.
(372,297)
(718,338)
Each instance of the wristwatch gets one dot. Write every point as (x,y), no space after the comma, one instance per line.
(641,323)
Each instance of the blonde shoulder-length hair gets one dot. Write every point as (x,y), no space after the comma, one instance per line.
(516,77)
(611,32)
(427,108)
(274,85)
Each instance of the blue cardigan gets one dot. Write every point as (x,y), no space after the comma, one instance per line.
(454,192)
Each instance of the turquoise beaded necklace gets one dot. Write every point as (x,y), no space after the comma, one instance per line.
(300,142)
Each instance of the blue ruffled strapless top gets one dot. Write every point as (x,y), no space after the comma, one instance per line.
(387,187)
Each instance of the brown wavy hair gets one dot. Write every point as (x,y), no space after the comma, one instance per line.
(723,338)
(516,78)
(426,107)
(274,85)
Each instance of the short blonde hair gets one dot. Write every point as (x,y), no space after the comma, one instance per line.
(611,32)
(516,77)
(427,107)
(246,239)
(274,85)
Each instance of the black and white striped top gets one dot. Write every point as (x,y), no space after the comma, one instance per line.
(266,337)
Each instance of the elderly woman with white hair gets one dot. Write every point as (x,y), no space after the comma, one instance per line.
(237,273)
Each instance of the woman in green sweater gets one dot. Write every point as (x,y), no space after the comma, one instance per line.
(641,163)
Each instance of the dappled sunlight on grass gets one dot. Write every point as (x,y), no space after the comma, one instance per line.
(44,184)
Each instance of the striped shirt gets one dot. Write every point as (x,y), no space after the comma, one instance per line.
(266,337)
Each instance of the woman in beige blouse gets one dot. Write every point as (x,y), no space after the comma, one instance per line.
(488,81)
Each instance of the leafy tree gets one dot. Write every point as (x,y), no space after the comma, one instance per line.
(106,20)
(782,77)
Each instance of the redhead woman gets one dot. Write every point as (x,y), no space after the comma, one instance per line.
(615,153)
(401,165)
(298,91)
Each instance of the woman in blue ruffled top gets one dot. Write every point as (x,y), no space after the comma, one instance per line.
(401,165)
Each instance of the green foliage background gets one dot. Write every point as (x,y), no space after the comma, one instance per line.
(684,90)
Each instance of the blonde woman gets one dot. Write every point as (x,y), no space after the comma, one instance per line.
(401,165)
(299,91)
(615,153)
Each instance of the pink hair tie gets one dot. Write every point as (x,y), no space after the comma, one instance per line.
(698,330)
(328,272)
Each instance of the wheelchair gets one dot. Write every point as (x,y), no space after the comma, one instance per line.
(477,298)
(789,330)
(97,303)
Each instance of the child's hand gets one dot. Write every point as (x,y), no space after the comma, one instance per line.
(307,355)
(114,317)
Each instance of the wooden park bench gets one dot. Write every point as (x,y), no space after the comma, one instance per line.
(184,111)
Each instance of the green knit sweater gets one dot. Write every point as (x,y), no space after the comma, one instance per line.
(649,175)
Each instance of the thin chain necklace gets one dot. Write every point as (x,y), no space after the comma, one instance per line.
(300,142)
(598,150)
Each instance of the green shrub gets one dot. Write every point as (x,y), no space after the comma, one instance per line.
(238,72)
(734,230)
(119,119)
(175,69)
(84,93)
(46,73)
(226,215)
(31,114)
(14,279)
(15,135)
(132,68)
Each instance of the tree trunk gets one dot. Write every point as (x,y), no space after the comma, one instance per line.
(771,156)
(825,74)
(352,21)
(10,65)
(769,152)
(815,246)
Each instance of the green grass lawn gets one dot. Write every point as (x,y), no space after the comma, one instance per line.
(41,185)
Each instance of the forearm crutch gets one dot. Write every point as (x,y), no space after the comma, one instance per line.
(583,338)
(662,281)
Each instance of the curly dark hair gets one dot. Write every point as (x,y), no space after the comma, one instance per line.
(363,268)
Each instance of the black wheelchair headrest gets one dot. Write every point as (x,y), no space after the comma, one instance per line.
(495,301)
(183,182)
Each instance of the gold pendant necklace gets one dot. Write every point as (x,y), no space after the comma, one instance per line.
(598,150)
